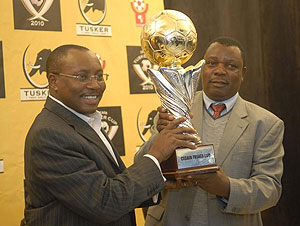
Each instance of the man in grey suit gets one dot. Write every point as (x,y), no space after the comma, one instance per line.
(248,146)
(73,174)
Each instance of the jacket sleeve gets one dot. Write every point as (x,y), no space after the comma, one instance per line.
(262,189)
(62,168)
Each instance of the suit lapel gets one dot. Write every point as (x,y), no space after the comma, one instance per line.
(88,132)
(81,127)
(197,110)
(121,164)
(235,127)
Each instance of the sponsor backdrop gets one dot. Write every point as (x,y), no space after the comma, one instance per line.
(30,30)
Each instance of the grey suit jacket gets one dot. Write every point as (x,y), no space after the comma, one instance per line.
(71,178)
(250,153)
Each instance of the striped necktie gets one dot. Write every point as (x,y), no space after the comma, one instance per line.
(218,108)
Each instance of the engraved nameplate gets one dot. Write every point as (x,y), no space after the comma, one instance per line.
(202,156)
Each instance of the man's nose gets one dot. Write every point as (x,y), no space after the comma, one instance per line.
(93,83)
(220,69)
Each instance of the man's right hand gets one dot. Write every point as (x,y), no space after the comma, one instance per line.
(172,137)
(164,118)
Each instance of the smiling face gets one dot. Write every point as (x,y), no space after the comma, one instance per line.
(82,97)
(223,72)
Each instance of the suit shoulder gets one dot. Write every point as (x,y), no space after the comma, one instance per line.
(197,97)
(47,121)
(260,114)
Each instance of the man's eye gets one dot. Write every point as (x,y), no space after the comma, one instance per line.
(82,77)
(211,63)
(99,77)
(232,66)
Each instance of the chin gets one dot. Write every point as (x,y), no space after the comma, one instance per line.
(88,111)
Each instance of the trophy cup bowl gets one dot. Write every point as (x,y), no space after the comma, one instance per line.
(168,40)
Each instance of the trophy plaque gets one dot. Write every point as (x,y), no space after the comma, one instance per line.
(168,40)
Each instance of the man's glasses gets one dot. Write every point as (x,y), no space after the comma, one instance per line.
(86,78)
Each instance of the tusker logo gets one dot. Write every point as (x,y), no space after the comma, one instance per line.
(2,84)
(140,9)
(40,15)
(145,122)
(112,124)
(138,65)
(34,68)
(93,11)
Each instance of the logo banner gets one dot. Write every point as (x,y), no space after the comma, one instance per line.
(113,126)
(93,12)
(34,68)
(138,65)
(37,15)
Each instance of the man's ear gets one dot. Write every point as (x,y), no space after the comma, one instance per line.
(52,79)
(244,70)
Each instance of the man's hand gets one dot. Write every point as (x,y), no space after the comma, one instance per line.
(172,137)
(164,118)
(170,184)
(216,183)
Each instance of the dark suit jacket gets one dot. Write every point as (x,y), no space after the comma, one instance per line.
(71,178)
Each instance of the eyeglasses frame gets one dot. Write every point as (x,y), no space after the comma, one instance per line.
(89,76)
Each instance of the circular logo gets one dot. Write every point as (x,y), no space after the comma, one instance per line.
(34,67)
(93,11)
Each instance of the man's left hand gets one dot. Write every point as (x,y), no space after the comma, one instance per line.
(216,183)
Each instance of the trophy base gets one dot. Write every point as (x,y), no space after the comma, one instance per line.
(180,174)
(187,162)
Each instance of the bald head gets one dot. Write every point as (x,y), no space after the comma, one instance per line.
(56,57)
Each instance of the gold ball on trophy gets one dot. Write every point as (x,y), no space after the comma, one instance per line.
(169,38)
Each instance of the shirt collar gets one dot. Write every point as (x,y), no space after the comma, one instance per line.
(229,103)
(89,119)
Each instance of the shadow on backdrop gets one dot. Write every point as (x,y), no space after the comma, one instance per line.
(270,33)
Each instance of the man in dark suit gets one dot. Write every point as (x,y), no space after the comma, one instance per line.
(73,174)
(248,148)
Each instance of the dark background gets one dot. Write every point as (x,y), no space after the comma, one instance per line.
(270,34)
(2,86)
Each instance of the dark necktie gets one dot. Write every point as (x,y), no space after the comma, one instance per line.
(218,108)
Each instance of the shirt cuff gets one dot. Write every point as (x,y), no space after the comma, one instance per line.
(222,202)
(157,164)
(155,199)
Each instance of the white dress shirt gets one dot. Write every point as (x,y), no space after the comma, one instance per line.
(94,120)
(229,103)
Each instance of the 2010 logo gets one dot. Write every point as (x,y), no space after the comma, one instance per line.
(37,15)
(44,6)
(138,65)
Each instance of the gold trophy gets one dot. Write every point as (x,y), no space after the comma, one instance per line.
(168,40)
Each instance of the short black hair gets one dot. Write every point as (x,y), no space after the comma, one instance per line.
(227,41)
(55,58)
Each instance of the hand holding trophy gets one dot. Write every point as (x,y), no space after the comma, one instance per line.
(168,40)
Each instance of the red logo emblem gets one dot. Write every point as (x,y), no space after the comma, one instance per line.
(140,9)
